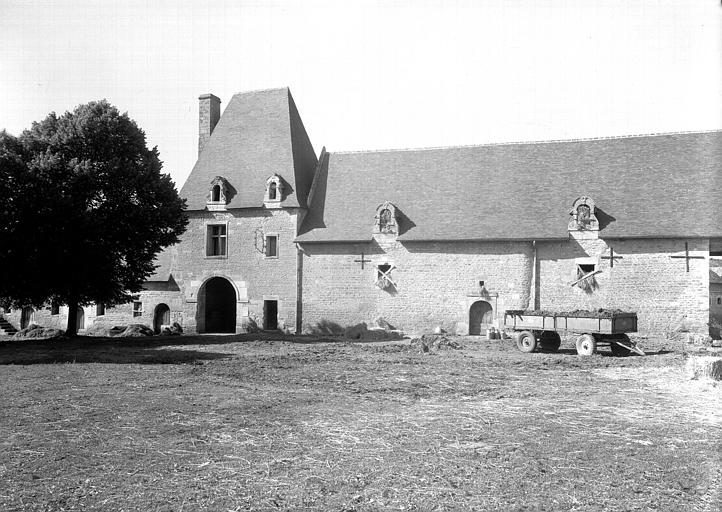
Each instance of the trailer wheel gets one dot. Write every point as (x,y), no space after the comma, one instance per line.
(550,341)
(526,341)
(619,350)
(586,345)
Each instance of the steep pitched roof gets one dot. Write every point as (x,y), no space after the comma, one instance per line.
(164,265)
(260,133)
(665,185)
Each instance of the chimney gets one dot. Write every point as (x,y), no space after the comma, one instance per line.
(209,112)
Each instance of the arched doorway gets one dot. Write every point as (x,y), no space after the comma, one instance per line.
(161,317)
(217,305)
(80,318)
(481,315)
(26,317)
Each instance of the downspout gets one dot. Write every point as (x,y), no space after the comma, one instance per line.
(299,288)
(534,285)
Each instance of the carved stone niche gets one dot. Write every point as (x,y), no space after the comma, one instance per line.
(583,215)
(386,222)
(274,190)
(218,194)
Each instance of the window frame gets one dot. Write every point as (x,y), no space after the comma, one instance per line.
(383,280)
(139,310)
(208,227)
(265,246)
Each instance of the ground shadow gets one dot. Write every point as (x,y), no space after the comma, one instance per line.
(103,350)
(605,352)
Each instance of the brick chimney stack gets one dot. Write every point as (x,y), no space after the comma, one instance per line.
(209,112)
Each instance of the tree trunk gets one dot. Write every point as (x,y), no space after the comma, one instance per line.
(72,330)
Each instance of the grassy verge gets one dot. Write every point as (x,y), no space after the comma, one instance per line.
(242,423)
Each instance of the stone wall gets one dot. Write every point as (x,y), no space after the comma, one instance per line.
(437,282)
(119,315)
(254,277)
(645,279)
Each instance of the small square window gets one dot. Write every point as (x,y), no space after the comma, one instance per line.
(271,246)
(587,268)
(99,309)
(382,270)
(216,240)
(383,276)
(137,308)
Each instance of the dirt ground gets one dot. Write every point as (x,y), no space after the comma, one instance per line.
(264,422)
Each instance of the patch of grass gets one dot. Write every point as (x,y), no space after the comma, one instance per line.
(263,422)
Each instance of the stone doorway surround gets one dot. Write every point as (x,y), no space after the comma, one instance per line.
(217,306)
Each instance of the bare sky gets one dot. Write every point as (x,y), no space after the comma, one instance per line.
(372,75)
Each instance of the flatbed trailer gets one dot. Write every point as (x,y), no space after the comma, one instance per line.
(533,330)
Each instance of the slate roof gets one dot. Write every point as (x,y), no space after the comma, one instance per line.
(164,264)
(259,133)
(666,185)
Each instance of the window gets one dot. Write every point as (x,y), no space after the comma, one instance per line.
(385,221)
(271,246)
(216,194)
(99,309)
(586,279)
(216,240)
(55,308)
(587,268)
(719,300)
(137,308)
(382,270)
(383,277)
(274,190)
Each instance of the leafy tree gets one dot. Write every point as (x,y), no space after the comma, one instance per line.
(84,209)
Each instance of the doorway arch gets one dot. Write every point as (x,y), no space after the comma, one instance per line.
(481,315)
(217,306)
(161,317)
(80,317)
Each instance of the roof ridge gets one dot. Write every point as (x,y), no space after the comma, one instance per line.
(269,89)
(517,143)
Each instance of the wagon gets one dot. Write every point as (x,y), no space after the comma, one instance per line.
(533,330)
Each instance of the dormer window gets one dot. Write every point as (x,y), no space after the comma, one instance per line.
(274,191)
(386,222)
(583,215)
(218,194)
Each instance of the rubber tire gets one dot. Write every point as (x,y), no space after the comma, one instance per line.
(526,341)
(586,345)
(550,341)
(620,351)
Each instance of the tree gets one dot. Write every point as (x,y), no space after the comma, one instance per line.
(84,209)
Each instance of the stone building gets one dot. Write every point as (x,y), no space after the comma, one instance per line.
(450,237)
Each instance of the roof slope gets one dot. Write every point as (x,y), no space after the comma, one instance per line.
(260,133)
(664,185)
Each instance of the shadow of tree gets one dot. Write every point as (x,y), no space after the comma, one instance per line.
(141,350)
(103,350)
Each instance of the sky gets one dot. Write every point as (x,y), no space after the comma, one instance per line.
(372,74)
